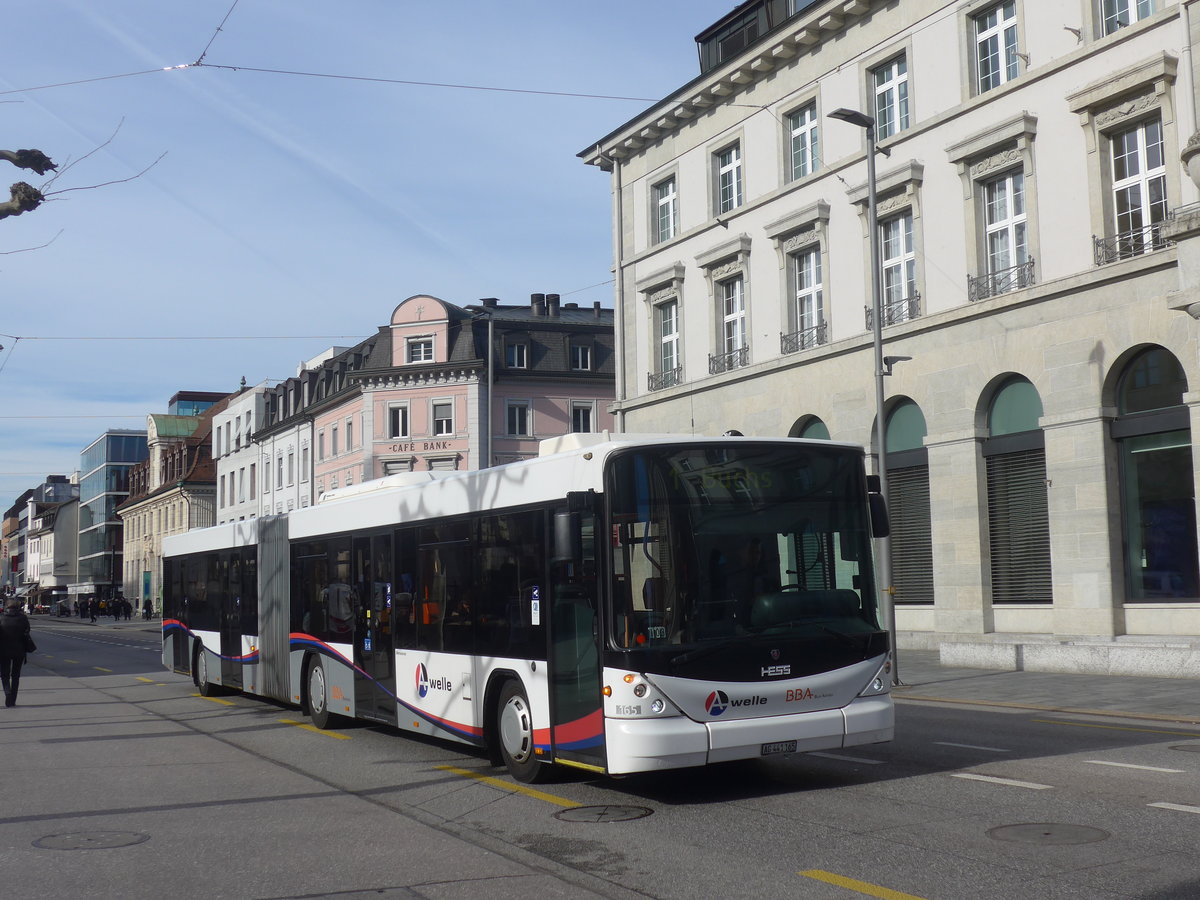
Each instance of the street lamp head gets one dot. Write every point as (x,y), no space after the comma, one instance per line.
(853,116)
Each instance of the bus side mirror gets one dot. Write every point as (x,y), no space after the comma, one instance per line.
(568,537)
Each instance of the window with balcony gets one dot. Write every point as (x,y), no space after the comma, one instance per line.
(1009,266)
(996,60)
(898,275)
(804,141)
(805,306)
(666,210)
(890,90)
(1139,191)
(734,349)
(666,329)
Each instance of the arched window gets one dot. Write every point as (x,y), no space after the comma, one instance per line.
(908,504)
(1159,508)
(1018,509)
(811,428)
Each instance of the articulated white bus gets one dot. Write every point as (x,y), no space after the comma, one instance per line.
(622,604)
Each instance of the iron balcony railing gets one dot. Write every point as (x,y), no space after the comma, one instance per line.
(1129,244)
(980,287)
(656,381)
(896,311)
(804,339)
(727,362)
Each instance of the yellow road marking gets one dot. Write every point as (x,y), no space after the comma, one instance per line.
(508,786)
(102,669)
(75,661)
(315,729)
(147,680)
(861,887)
(214,700)
(1190,734)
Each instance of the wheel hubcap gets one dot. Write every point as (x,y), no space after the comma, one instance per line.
(516,730)
(316,689)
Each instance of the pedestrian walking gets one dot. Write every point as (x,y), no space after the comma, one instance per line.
(92,610)
(15,642)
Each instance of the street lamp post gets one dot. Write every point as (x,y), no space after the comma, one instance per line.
(884,547)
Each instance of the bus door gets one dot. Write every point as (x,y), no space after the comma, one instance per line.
(576,714)
(374,642)
(231,619)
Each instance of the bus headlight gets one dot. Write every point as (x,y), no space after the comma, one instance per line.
(639,690)
(881,682)
(656,706)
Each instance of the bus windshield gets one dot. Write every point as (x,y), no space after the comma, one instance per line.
(716,546)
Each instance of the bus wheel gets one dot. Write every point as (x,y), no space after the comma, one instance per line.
(200,670)
(514,727)
(318,702)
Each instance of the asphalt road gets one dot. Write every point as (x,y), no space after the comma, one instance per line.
(120,782)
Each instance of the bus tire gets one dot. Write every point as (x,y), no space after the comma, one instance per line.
(200,673)
(514,735)
(318,694)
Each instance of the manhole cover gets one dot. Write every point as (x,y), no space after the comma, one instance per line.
(1048,833)
(603,813)
(1190,748)
(90,840)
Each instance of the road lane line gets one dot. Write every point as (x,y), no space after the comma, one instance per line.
(102,669)
(214,700)
(1101,762)
(1011,782)
(862,887)
(855,759)
(1190,734)
(1178,807)
(508,786)
(973,747)
(147,680)
(313,728)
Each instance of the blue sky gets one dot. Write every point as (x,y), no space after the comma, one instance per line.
(291,206)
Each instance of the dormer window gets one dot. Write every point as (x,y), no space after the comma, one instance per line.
(419,350)
(516,355)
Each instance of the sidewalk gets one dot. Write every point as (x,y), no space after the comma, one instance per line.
(924,678)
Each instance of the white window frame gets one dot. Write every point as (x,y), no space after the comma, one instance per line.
(897,263)
(1144,180)
(666,209)
(581,357)
(436,426)
(279,472)
(1006,231)
(418,349)
(727,174)
(291,467)
(580,409)
(666,326)
(333,441)
(349,435)
(1114,15)
(303,463)
(804,147)
(516,355)
(398,421)
(890,98)
(518,418)
(996,47)
(733,314)
(806,300)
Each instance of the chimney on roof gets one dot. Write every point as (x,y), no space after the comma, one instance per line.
(570,306)
(537,303)
(596,308)
(489,302)
(552,304)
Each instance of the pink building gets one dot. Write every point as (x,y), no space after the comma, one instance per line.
(447,387)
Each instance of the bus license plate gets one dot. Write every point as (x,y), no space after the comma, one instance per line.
(778,747)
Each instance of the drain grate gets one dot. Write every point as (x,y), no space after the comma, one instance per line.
(600,814)
(1048,833)
(90,840)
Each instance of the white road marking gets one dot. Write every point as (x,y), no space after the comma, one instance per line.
(1101,762)
(974,747)
(1011,782)
(853,759)
(1178,807)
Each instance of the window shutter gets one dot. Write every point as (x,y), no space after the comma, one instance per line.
(912,542)
(1019,527)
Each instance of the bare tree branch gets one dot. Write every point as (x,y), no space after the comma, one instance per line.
(90,187)
(25,197)
(35,160)
(72,163)
(27,249)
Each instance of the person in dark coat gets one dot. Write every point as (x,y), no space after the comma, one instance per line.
(14,626)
